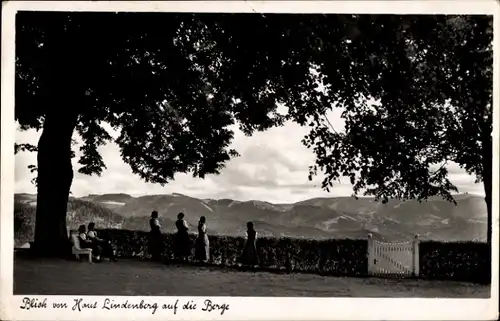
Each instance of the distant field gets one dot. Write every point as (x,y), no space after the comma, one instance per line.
(132,277)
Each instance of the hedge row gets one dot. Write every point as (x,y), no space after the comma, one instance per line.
(460,261)
(328,257)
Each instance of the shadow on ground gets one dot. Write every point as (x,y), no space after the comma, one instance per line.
(136,277)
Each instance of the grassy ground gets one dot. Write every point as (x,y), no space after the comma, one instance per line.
(133,277)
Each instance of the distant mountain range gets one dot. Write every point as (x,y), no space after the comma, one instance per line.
(318,218)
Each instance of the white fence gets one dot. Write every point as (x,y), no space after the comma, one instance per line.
(396,259)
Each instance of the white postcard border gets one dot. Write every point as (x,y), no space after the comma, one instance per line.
(240,308)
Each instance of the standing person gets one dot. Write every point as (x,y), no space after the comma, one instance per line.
(182,242)
(86,243)
(107,249)
(202,247)
(249,256)
(155,237)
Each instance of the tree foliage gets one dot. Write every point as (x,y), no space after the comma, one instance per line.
(172,87)
(417,94)
(416,90)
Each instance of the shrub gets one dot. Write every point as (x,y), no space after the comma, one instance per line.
(460,261)
(24,223)
(330,257)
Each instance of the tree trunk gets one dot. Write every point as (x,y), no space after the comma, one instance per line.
(63,100)
(487,181)
(55,175)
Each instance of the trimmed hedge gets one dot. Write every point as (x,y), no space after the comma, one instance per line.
(329,257)
(460,261)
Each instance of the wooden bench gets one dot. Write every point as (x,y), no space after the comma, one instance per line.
(77,250)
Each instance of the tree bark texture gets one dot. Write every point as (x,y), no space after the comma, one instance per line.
(55,171)
(55,175)
(487,181)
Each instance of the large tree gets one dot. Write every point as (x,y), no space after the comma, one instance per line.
(172,84)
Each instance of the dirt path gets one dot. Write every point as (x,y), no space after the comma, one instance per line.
(131,277)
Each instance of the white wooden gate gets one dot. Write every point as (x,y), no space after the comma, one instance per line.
(396,259)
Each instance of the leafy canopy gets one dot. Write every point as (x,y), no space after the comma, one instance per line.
(417,93)
(416,90)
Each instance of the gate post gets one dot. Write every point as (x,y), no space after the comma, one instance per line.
(371,267)
(416,255)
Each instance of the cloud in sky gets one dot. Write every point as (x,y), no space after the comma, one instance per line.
(273,166)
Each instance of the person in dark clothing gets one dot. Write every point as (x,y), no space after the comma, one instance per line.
(182,241)
(155,237)
(86,243)
(107,249)
(249,256)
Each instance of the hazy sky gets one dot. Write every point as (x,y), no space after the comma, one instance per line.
(273,167)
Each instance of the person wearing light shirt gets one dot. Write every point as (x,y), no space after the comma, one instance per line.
(202,246)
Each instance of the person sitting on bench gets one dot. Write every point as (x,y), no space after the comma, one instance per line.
(107,249)
(86,243)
